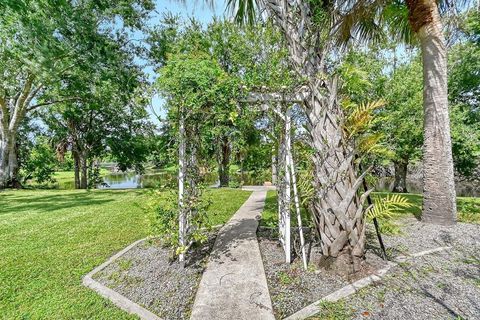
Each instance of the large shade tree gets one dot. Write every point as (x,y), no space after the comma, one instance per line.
(44,44)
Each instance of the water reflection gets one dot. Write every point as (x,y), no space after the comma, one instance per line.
(132,180)
(463,189)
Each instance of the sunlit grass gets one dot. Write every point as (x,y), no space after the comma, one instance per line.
(49,239)
(468,209)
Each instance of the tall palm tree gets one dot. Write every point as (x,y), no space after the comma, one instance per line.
(439,198)
(408,19)
(420,20)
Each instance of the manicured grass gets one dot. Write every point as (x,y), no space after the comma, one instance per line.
(270,212)
(225,202)
(49,239)
(468,209)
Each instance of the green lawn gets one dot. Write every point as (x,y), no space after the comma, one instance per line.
(225,203)
(270,212)
(49,239)
(468,209)
(63,180)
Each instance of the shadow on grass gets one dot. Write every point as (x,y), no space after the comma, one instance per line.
(45,201)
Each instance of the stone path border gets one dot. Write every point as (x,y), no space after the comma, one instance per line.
(234,285)
(115,297)
(350,289)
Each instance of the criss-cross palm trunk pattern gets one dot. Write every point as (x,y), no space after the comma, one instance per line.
(337,207)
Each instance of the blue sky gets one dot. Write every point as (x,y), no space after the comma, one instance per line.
(196,9)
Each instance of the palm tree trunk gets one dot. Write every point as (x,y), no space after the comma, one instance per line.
(439,198)
(337,208)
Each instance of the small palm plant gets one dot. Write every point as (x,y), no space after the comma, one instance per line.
(385,209)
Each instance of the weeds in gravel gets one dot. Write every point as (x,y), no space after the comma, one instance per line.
(477,282)
(115,278)
(441,285)
(381,295)
(285,278)
(472,260)
(125,264)
(333,311)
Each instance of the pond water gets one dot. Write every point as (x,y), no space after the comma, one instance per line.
(463,189)
(131,180)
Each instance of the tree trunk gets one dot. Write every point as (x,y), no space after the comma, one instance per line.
(76,161)
(224,162)
(8,161)
(337,208)
(439,198)
(84,171)
(4,168)
(12,113)
(400,183)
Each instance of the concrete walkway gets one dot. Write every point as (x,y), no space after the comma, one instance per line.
(233,285)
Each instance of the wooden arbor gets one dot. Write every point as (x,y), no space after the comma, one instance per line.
(281,105)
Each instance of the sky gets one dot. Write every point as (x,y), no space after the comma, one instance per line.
(189,8)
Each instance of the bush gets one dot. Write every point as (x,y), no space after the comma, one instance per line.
(41,163)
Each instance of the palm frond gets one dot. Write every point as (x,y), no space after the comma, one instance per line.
(243,11)
(360,117)
(387,207)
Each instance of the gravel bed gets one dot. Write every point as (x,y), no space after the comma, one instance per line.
(442,285)
(293,288)
(417,236)
(147,276)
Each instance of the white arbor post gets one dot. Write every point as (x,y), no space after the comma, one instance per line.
(287,195)
(291,165)
(288,178)
(182,217)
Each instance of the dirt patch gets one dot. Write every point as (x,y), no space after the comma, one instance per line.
(147,276)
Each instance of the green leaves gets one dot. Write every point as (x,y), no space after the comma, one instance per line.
(387,207)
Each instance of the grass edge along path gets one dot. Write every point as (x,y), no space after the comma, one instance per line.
(49,239)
